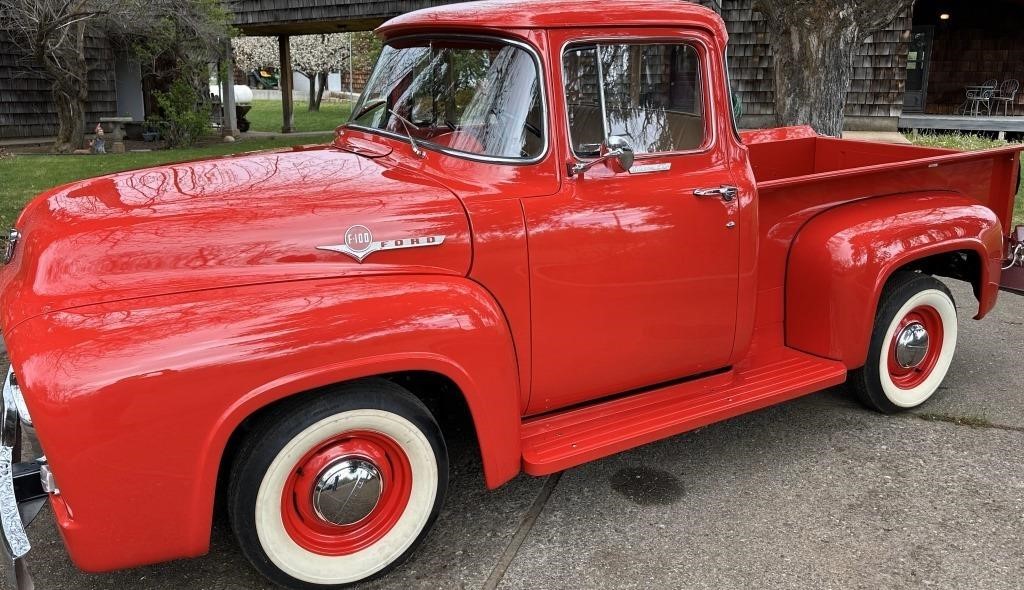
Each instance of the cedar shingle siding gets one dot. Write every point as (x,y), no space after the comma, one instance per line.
(750,58)
(26,107)
(879,68)
(880,72)
(256,17)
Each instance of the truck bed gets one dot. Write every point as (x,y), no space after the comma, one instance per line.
(800,174)
(797,161)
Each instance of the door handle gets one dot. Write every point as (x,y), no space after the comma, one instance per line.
(725,192)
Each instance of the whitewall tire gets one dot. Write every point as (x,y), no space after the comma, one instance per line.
(338,487)
(912,344)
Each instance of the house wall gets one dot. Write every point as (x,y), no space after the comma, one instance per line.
(875,100)
(970,48)
(26,106)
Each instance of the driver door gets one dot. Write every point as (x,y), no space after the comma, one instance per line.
(633,278)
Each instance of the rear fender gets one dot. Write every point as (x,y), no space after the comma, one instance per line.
(134,401)
(841,259)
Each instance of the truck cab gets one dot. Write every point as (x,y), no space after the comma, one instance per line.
(630,278)
(537,210)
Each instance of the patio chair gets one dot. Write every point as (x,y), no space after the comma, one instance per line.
(1006,95)
(979,97)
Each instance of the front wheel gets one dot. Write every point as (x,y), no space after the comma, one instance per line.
(338,488)
(912,344)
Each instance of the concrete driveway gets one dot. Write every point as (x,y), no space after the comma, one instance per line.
(818,493)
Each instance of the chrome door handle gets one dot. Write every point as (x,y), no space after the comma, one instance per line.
(726,192)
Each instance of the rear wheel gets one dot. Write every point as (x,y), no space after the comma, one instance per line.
(912,344)
(338,488)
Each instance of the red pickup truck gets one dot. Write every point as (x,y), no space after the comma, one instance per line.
(537,209)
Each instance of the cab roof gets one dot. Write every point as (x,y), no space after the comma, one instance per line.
(556,14)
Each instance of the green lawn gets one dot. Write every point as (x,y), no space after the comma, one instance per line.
(968,141)
(24,176)
(266,116)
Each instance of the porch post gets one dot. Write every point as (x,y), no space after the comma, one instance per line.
(227,91)
(285,80)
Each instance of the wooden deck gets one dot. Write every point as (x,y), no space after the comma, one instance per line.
(999,124)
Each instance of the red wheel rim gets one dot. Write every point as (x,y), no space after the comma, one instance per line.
(313,533)
(911,377)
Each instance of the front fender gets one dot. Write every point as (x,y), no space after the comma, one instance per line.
(134,401)
(841,259)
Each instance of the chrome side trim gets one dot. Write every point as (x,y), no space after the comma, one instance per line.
(542,82)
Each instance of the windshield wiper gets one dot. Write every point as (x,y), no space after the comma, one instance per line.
(416,149)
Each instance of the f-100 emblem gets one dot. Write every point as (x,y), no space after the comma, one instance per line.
(359,243)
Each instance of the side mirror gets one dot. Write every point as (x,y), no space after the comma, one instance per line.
(613,149)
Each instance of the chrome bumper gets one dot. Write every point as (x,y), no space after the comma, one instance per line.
(21,489)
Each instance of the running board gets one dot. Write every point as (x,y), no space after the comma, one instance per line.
(565,439)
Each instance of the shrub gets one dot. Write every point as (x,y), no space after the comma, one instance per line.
(185,117)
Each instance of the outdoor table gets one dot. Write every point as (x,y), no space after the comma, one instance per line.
(973,92)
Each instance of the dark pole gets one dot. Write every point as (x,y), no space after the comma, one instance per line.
(285,80)
(227,91)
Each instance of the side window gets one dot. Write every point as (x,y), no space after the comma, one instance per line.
(649,94)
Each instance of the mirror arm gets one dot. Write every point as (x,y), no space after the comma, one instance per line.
(577,168)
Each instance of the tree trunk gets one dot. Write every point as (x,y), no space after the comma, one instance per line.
(70,92)
(70,119)
(813,67)
(813,45)
(322,77)
(312,105)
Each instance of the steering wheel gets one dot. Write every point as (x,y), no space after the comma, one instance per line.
(526,124)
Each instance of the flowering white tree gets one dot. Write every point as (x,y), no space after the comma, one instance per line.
(316,56)
(313,56)
(253,53)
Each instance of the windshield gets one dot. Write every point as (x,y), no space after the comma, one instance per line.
(475,96)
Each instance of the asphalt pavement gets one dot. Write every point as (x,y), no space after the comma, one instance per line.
(815,493)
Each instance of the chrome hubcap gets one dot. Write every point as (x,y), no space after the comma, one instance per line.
(911,345)
(347,491)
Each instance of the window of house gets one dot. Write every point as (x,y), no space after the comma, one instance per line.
(650,94)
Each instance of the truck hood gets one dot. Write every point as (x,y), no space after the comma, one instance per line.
(253,218)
